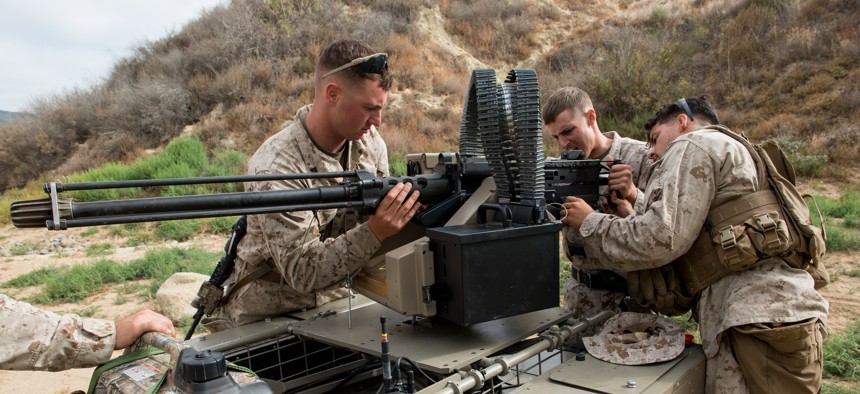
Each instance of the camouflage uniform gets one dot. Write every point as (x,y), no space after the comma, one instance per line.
(699,170)
(34,339)
(312,252)
(580,299)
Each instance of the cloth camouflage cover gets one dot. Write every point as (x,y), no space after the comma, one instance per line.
(636,338)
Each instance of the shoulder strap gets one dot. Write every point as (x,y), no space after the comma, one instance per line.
(760,167)
(250,277)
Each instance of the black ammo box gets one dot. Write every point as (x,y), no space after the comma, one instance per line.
(485,271)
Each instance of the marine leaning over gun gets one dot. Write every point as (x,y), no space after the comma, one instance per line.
(570,117)
(710,206)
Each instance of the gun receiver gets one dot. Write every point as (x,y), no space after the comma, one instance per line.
(574,175)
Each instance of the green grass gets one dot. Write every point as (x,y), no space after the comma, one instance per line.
(88,311)
(220,225)
(22,248)
(32,278)
(100,249)
(834,389)
(73,284)
(89,232)
(840,239)
(842,354)
(179,230)
(847,206)
(842,218)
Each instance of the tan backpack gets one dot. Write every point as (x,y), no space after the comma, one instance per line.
(808,242)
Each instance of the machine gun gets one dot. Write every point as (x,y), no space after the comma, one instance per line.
(486,222)
(496,232)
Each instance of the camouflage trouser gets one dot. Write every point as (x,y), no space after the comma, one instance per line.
(584,301)
(755,358)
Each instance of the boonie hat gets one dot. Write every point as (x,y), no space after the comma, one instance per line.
(636,338)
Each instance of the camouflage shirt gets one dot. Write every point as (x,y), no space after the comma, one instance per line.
(582,300)
(311,251)
(34,339)
(701,169)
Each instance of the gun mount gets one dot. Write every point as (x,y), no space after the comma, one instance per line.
(470,288)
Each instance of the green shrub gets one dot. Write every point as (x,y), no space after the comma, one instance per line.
(182,158)
(846,206)
(852,220)
(839,239)
(397,164)
(564,272)
(806,165)
(658,16)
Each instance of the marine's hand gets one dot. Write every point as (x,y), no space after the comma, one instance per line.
(577,209)
(621,180)
(394,211)
(620,206)
(131,327)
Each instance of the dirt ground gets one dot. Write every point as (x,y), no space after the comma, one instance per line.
(843,293)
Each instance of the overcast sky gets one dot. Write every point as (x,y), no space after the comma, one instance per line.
(48,47)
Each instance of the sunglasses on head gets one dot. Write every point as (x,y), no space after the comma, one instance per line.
(373,64)
(683,104)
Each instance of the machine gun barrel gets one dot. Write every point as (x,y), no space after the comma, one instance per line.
(362,191)
(192,181)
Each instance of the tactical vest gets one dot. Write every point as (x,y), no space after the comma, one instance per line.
(746,230)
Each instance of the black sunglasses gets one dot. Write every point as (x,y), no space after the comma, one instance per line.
(683,104)
(373,64)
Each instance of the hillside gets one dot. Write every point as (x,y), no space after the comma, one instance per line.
(774,68)
(6,116)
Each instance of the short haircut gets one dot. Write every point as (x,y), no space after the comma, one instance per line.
(342,52)
(699,106)
(572,98)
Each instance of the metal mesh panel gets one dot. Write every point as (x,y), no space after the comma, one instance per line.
(297,363)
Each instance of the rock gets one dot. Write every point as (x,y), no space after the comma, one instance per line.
(174,296)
